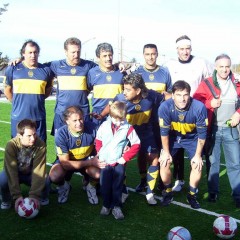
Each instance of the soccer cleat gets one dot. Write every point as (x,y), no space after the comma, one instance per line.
(63,192)
(150,199)
(6,205)
(92,194)
(167,198)
(192,200)
(141,186)
(44,202)
(117,213)
(178,186)
(212,197)
(124,197)
(105,211)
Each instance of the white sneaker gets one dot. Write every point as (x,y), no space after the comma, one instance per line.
(105,211)
(178,186)
(92,194)
(150,199)
(6,205)
(117,213)
(63,192)
(124,197)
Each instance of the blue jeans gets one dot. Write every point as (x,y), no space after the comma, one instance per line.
(228,138)
(6,196)
(23,178)
(111,181)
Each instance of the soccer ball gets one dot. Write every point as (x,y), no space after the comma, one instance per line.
(225,227)
(27,210)
(179,233)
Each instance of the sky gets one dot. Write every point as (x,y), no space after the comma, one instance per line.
(212,25)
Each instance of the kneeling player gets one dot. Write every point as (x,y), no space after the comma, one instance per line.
(75,146)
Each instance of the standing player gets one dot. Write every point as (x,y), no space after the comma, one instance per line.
(27,85)
(71,74)
(105,80)
(156,78)
(193,70)
(220,109)
(183,124)
(140,103)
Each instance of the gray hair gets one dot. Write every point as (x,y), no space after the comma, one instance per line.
(221,56)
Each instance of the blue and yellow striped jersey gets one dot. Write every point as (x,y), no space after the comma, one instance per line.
(78,147)
(105,86)
(183,124)
(28,86)
(142,114)
(72,84)
(158,80)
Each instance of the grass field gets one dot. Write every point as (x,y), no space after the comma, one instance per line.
(77,219)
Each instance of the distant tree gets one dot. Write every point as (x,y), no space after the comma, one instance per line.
(4,9)
(3,60)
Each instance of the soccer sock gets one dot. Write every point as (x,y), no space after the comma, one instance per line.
(143,176)
(192,190)
(152,175)
(93,182)
(168,188)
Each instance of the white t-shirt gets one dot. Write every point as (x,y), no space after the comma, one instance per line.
(192,72)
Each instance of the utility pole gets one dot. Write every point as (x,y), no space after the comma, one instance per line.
(121,49)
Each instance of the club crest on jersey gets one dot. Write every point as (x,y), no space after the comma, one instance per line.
(181,117)
(138,107)
(73,71)
(78,142)
(151,77)
(108,78)
(30,73)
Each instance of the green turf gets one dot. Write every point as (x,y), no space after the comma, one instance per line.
(77,219)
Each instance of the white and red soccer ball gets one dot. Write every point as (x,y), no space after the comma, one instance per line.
(27,209)
(225,227)
(179,233)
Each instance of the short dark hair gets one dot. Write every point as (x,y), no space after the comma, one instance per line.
(221,56)
(25,124)
(150,45)
(71,110)
(181,85)
(136,81)
(72,41)
(183,37)
(106,47)
(31,43)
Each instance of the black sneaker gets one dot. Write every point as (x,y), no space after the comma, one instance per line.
(167,198)
(212,197)
(141,187)
(192,200)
